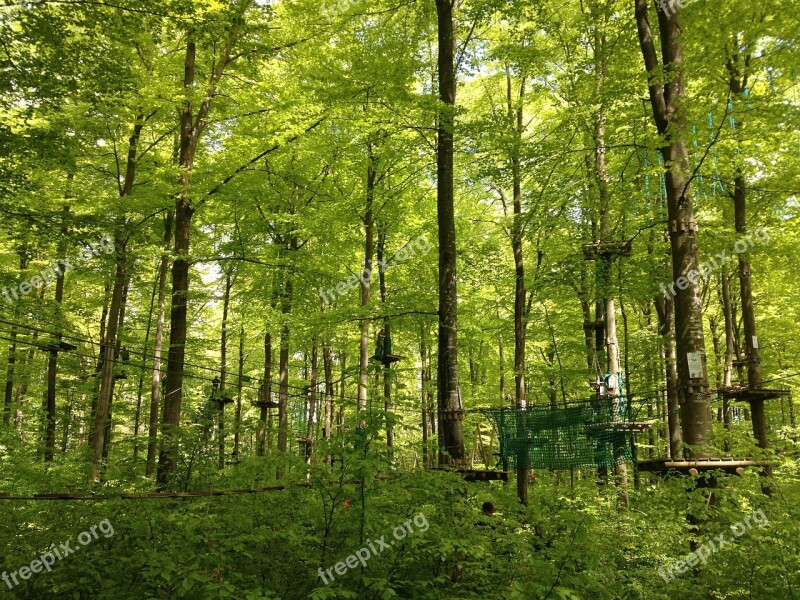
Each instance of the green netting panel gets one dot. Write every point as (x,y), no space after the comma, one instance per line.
(563,437)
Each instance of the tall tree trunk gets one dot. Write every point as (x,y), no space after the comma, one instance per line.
(327,365)
(424,383)
(283,384)
(223,372)
(665,312)
(515,119)
(237,421)
(342,391)
(451,433)
(192,125)
(727,418)
(155,380)
(283,392)
(137,417)
(117,354)
(666,99)
(502,366)
(387,379)
(99,366)
(312,398)
(52,363)
(267,413)
(366,277)
(604,261)
(10,371)
(24,369)
(24,259)
(266,395)
(738,85)
(102,438)
(103,413)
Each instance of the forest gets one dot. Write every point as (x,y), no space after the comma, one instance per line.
(436,299)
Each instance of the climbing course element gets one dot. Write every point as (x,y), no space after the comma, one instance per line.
(596,433)
(383,350)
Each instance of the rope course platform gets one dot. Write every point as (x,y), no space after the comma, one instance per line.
(265,404)
(693,467)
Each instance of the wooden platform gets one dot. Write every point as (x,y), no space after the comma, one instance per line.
(265,404)
(745,394)
(387,359)
(620,427)
(693,467)
(57,346)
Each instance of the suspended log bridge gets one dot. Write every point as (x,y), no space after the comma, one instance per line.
(731,466)
(747,394)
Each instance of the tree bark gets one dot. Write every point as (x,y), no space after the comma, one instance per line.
(424,377)
(237,419)
(283,391)
(117,350)
(137,418)
(515,118)
(10,370)
(24,259)
(665,311)
(366,277)
(387,379)
(283,384)
(155,380)
(727,418)
(327,365)
(312,398)
(223,373)
(666,100)
(451,433)
(342,391)
(738,84)
(266,395)
(52,363)
(192,125)
(102,415)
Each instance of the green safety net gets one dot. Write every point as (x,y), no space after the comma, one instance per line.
(577,434)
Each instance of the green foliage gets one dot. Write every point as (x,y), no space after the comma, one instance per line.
(310,94)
